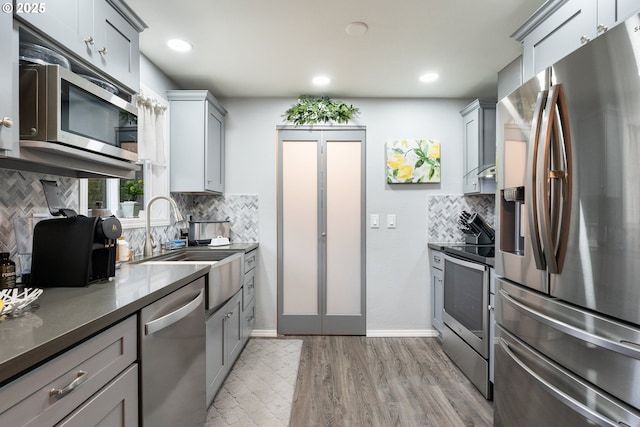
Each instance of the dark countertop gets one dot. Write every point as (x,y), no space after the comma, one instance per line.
(65,316)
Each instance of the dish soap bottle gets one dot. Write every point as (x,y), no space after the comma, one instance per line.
(122,249)
(7,271)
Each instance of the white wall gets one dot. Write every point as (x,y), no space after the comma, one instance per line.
(398,291)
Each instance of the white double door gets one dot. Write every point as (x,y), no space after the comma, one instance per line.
(321,239)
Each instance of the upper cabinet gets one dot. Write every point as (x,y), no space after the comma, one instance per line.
(104,34)
(479,145)
(9,77)
(561,26)
(197,142)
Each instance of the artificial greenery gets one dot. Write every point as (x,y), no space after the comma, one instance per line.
(311,110)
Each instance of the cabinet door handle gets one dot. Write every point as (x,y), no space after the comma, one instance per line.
(584,39)
(6,122)
(103,51)
(89,41)
(58,393)
(601,28)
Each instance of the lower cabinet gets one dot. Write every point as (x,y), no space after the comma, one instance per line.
(115,405)
(248,296)
(88,384)
(224,343)
(437,290)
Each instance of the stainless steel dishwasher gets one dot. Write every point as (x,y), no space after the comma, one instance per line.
(172,355)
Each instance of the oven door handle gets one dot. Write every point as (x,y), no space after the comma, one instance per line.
(467,264)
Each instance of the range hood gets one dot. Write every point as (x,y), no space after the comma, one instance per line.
(487,171)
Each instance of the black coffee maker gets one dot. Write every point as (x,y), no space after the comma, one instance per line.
(75,250)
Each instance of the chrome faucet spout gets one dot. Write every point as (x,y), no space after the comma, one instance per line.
(148,245)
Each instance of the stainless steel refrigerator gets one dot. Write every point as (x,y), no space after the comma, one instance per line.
(568,244)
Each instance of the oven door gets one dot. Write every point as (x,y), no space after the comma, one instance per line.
(466,302)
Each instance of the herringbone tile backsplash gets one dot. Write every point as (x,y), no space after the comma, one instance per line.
(22,195)
(443,212)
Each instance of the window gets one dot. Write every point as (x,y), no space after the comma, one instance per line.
(153,126)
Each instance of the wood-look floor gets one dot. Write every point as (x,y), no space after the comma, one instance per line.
(358,381)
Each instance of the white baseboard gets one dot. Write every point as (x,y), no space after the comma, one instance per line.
(402,333)
(381,333)
(264,333)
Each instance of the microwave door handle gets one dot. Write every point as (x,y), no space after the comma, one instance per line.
(531,199)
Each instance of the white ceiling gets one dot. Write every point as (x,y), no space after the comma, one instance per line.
(275,47)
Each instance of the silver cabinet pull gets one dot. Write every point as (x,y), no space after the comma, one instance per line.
(89,41)
(58,393)
(601,28)
(6,122)
(584,39)
(102,51)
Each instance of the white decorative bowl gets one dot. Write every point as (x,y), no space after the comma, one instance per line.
(16,299)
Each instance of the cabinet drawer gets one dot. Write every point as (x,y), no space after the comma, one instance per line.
(79,373)
(248,321)
(248,289)
(437,260)
(114,405)
(250,260)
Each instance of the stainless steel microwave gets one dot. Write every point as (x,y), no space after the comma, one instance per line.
(61,107)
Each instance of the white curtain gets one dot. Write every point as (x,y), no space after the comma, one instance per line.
(151,129)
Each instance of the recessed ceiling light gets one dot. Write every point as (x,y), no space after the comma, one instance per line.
(321,80)
(429,77)
(179,45)
(357,28)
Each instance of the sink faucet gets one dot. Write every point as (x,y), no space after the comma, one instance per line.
(148,244)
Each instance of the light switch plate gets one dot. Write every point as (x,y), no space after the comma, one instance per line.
(391,220)
(375,221)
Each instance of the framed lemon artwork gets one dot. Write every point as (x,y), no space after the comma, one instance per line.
(413,161)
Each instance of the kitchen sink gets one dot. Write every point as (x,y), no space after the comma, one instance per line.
(195,255)
(225,275)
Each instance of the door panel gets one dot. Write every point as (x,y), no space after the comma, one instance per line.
(601,87)
(321,236)
(343,227)
(300,227)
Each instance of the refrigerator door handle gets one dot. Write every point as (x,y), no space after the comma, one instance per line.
(531,197)
(553,184)
(558,394)
(574,331)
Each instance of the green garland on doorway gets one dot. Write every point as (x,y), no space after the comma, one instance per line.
(311,110)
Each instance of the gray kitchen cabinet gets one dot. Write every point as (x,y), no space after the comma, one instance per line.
(437,290)
(510,78)
(248,295)
(224,343)
(102,33)
(479,145)
(492,320)
(8,90)
(561,26)
(197,142)
(116,405)
(64,390)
